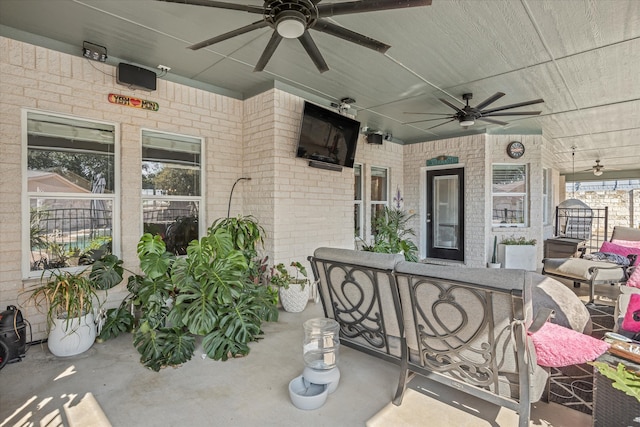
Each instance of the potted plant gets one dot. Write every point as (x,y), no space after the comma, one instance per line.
(71,301)
(294,290)
(494,257)
(391,235)
(518,253)
(210,293)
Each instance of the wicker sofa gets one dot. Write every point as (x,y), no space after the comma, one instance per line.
(463,327)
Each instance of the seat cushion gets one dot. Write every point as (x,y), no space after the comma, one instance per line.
(578,268)
(558,346)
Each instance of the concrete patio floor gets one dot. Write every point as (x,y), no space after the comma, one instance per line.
(108,386)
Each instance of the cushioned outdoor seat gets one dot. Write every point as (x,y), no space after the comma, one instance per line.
(593,272)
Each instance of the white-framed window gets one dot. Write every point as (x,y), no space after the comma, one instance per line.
(172,188)
(358,214)
(509,195)
(379,194)
(547,196)
(71,185)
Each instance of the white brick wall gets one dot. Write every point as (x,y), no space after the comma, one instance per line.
(471,153)
(38,78)
(301,208)
(477,153)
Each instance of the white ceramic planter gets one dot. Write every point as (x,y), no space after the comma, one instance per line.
(517,256)
(295,299)
(73,337)
(493,264)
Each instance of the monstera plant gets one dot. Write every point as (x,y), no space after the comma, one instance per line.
(209,293)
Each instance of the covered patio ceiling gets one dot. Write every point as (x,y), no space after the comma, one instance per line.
(581,57)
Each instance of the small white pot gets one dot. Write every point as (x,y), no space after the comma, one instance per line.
(493,264)
(295,299)
(72,336)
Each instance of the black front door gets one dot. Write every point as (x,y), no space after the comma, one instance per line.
(445,214)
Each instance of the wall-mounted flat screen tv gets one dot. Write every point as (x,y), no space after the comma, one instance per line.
(326,136)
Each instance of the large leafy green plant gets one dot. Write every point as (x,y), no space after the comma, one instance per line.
(392,234)
(247,236)
(209,293)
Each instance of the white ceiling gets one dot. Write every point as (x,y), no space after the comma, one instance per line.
(581,56)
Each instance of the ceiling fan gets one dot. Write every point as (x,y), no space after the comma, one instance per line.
(597,168)
(468,115)
(291,19)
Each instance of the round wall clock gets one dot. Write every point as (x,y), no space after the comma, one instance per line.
(515,149)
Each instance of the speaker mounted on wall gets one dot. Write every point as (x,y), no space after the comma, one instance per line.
(135,77)
(374,138)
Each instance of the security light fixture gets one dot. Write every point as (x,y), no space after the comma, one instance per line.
(94,51)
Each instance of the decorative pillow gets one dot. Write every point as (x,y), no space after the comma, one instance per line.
(634,279)
(620,250)
(627,243)
(629,323)
(558,346)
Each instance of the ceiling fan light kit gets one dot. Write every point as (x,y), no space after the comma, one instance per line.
(291,24)
(467,120)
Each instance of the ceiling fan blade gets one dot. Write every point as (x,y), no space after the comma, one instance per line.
(352,36)
(489,100)
(439,118)
(333,9)
(444,101)
(429,120)
(506,107)
(514,113)
(313,51)
(220,5)
(431,114)
(441,124)
(230,34)
(497,122)
(274,41)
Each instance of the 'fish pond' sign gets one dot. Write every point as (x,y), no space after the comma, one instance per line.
(442,160)
(133,102)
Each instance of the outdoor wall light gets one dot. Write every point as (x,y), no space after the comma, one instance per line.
(94,51)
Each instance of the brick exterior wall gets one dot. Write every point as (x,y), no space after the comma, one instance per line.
(477,153)
(46,80)
(301,208)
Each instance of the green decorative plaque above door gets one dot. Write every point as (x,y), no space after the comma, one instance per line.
(442,160)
